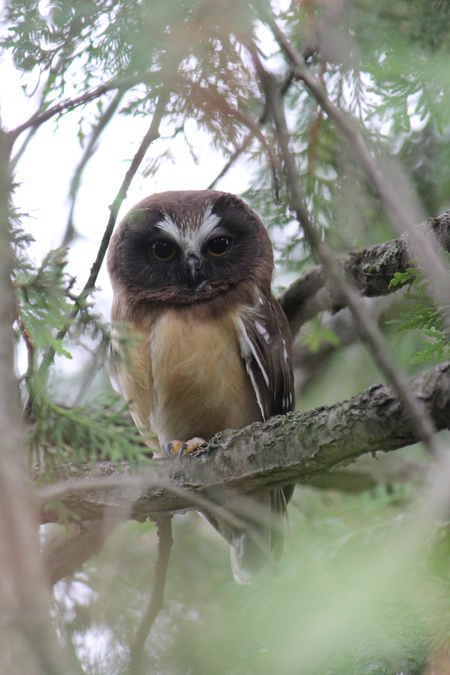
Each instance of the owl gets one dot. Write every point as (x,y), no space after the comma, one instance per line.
(191,273)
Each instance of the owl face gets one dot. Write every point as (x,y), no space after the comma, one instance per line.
(188,246)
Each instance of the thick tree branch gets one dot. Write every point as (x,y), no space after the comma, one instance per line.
(286,449)
(28,642)
(370,270)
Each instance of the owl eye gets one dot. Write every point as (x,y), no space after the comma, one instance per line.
(219,245)
(163,250)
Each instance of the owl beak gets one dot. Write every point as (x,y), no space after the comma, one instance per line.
(194,273)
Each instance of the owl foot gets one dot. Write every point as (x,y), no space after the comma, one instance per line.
(183,448)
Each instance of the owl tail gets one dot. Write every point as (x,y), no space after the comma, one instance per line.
(258,545)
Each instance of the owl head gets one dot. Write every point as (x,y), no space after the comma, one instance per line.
(188,247)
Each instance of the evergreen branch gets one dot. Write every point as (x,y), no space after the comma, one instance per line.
(89,433)
(221,103)
(248,139)
(165,541)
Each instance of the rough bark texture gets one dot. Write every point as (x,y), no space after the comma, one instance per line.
(370,270)
(294,447)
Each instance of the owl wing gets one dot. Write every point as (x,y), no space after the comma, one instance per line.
(265,342)
(266,347)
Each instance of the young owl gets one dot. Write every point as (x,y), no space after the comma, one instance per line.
(191,273)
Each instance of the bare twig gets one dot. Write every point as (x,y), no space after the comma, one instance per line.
(40,117)
(369,332)
(87,154)
(165,541)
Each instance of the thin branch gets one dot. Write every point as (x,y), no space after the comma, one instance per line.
(39,118)
(151,135)
(165,541)
(369,332)
(87,154)
(134,487)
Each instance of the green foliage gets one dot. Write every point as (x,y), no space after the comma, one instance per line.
(317,334)
(336,606)
(98,431)
(43,299)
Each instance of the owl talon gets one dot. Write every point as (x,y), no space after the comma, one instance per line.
(183,448)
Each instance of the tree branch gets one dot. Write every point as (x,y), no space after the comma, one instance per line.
(165,541)
(367,328)
(39,118)
(286,449)
(28,642)
(370,270)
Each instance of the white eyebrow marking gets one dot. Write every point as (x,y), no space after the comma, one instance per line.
(194,237)
(169,227)
(189,237)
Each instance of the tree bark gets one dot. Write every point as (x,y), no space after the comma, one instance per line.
(370,270)
(290,448)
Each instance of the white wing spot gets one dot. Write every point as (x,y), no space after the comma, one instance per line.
(246,351)
(262,331)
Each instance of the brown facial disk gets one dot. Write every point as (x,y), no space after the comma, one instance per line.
(180,248)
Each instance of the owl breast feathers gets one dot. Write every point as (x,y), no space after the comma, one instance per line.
(191,273)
